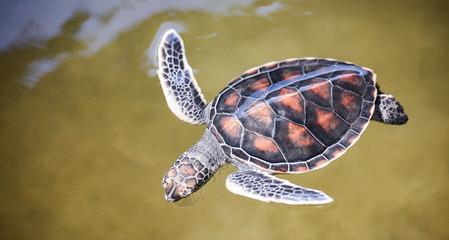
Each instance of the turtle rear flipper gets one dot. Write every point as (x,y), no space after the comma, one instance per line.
(388,110)
(269,188)
(181,90)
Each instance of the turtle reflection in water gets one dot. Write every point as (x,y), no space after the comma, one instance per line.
(291,116)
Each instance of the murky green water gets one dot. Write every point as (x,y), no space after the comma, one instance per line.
(86,135)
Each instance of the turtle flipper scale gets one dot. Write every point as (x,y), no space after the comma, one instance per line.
(268,188)
(181,90)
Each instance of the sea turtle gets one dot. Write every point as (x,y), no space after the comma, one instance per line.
(290,116)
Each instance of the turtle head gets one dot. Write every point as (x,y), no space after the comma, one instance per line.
(186,176)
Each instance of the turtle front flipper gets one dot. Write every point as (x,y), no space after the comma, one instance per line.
(268,188)
(181,90)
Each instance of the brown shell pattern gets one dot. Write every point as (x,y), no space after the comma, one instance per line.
(295,115)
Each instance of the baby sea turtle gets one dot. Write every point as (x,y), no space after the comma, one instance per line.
(291,116)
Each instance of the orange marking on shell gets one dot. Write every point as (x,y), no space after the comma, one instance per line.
(262,112)
(338,153)
(265,144)
(299,135)
(260,84)
(301,169)
(289,74)
(290,98)
(348,101)
(231,126)
(326,120)
(232,99)
(321,163)
(321,89)
(351,78)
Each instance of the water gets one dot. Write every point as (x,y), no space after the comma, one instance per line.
(86,136)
